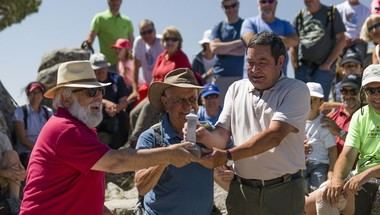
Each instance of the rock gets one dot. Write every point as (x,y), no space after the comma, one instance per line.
(7,108)
(47,71)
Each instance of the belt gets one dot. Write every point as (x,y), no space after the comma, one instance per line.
(266,183)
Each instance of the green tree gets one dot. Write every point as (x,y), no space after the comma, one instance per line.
(14,11)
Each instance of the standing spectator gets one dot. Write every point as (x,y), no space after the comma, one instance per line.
(267,21)
(321,159)
(112,130)
(125,62)
(205,60)
(109,26)
(210,109)
(66,169)
(371,33)
(171,58)
(29,120)
(170,190)
(228,47)
(353,15)
(266,116)
(362,142)
(321,32)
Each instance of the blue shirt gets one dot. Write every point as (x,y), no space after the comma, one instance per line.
(228,65)
(257,25)
(204,117)
(185,190)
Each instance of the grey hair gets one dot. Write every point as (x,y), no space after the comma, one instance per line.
(60,94)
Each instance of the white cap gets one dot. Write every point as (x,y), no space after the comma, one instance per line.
(315,89)
(371,74)
(206,37)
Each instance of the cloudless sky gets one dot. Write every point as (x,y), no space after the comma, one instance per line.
(60,24)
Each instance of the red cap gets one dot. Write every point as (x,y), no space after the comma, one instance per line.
(35,85)
(122,44)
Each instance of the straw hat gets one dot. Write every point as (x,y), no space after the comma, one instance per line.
(182,77)
(77,74)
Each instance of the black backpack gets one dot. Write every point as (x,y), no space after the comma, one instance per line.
(25,112)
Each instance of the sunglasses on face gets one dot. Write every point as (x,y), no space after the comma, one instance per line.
(226,7)
(351,92)
(172,39)
(183,101)
(372,90)
(374,27)
(351,65)
(267,1)
(146,32)
(92,92)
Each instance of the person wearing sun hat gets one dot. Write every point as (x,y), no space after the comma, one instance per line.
(190,187)
(362,141)
(68,161)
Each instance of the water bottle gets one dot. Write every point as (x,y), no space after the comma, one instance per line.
(192,121)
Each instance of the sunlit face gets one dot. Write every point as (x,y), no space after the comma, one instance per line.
(178,102)
(231,8)
(114,5)
(267,7)
(87,109)
(351,68)
(101,74)
(211,101)
(263,71)
(350,97)
(148,34)
(35,97)
(311,3)
(372,91)
(315,104)
(171,43)
(373,26)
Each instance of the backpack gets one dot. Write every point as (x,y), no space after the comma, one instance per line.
(330,19)
(158,142)
(25,112)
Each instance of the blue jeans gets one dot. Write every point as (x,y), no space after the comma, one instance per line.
(316,174)
(323,77)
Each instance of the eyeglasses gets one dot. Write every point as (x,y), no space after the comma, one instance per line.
(351,65)
(372,90)
(183,101)
(267,1)
(374,27)
(231,6)
(172,39)
(92,92)
(146,32)
(351,92)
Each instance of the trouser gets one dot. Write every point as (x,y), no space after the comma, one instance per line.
(283,198)
(307,73)
(316,174)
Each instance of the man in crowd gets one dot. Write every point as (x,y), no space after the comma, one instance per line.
(186,190)
(112,130)
(228,47)
(265,115)
(67,164)
(109,26)
(267,21)
(321,33)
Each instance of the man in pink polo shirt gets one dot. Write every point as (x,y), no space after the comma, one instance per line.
(66,168)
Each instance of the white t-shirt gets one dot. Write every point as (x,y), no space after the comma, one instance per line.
(147,55)
(209,63)
(320,140)
(353,17)
(246,113)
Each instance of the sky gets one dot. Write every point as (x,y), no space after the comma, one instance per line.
(65,24)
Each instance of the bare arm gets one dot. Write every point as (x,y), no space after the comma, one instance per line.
(215,139)
(227,48)
(91,37)
(294,57)
(290,41)
(124,160)
(135,79)
(146,179)
(333,154)
(337,50)
(247,37)
(131,38)
(21,135)
(374,58)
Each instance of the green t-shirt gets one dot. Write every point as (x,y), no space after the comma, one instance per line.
(364,135)
(109,28)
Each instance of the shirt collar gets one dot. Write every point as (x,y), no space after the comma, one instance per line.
(168,128)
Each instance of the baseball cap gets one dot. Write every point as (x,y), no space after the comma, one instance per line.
(98,61)
(371,74)
(206,37)
(35,85)
(315,89)
(351,57)
(122,43)
(353,81)
(210,89)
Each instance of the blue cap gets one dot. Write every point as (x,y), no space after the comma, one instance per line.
(210,89)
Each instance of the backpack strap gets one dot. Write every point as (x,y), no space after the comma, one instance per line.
(46,112)
(25,112)
(158,139)
(299,22)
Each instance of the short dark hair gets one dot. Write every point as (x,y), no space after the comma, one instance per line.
(277,47)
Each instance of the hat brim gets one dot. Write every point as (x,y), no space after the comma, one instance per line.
(156,90)
(350,84)
(203,41)
(100,66)
(314,94)
(211,92)
(51,92)
(350,60)
(370,80)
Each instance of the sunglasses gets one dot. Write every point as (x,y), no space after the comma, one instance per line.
(372,90)
(267,1)
(226,7)
(351,92)
(374,27)
(146,32)
(351,65)
(172,39)
(183,101)
(92,92)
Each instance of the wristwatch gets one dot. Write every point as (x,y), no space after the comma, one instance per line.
(342,133)
(229,162)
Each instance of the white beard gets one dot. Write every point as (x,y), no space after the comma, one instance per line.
(85,115)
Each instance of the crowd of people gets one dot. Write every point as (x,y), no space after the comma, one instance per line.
(310,144)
